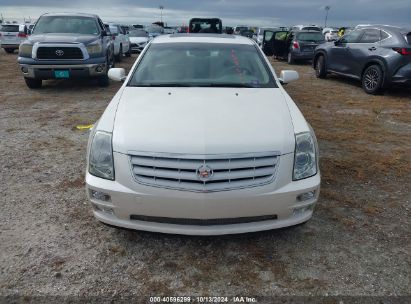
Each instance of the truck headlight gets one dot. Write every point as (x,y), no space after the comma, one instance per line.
(101,163)
(305,157)
(25,50)
(94,48)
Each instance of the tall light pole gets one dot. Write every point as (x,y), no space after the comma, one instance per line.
(161,12)
(327,8)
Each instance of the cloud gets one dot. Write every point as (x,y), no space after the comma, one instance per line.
(255,12)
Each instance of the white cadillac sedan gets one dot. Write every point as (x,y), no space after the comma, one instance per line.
(202,139)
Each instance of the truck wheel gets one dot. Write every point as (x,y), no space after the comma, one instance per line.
(320,71)
(120,54)
(372,79)
(33,83)
(8,50)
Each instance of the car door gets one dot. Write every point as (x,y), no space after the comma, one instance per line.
(366,47)
(339,59)
(282,42)
(106,38)
(267,44)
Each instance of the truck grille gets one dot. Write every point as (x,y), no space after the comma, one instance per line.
(222,172)
(59,53)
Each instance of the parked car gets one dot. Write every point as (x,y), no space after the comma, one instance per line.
(313,27)
(228,30)
(182,29)
(212,145)
(247,33)
(205,25)
(378,56)
(169,30)
(138,40)
(11,35)
(291,45)
(331,35)
(122,45)
(154,30)
(259,34)
(239,28)
(66,46)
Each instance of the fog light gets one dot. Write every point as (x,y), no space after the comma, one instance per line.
(24,69)
(104,209)
(101,196)
(301,210)
(306,196)
(99,69)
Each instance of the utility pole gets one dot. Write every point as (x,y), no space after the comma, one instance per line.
(161,12)
(327,8)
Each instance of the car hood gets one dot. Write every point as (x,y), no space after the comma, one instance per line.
(62,38)
(202,121)
(138,39)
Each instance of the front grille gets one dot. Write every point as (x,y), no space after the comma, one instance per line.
(59,53)
(225,171)
(205,222)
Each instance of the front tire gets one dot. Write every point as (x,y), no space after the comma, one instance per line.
(9,51)
(320,70)
(33,83)
(372,79)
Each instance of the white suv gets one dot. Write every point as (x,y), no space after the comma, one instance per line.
(122,45)
(202,139)
(11,35)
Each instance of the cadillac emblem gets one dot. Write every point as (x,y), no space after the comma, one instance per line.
(204,173)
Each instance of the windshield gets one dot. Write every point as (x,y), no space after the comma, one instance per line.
(315,36)
(138,34)
(9,28)
(202,65)
(66,25)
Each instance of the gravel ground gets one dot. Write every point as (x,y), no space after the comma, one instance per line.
(357,244)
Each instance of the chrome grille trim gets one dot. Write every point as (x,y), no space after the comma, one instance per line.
(179,171)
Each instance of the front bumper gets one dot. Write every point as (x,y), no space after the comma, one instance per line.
(44,69)
(129,199)
(9,46)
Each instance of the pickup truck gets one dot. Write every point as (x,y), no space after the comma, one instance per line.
(66,46)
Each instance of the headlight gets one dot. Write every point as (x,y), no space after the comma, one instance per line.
(94,48)
(305,158)
(101,162)
(25,50)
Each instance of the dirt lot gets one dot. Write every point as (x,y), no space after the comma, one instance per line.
(358,242)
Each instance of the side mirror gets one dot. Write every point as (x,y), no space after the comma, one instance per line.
(104,33)
(287,76)
(117,74)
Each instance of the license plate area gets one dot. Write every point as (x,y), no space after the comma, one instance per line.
(61,74)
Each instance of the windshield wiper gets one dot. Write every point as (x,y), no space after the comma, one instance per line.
(229,85)
(161,85)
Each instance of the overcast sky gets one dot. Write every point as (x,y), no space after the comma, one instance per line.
(232,12)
